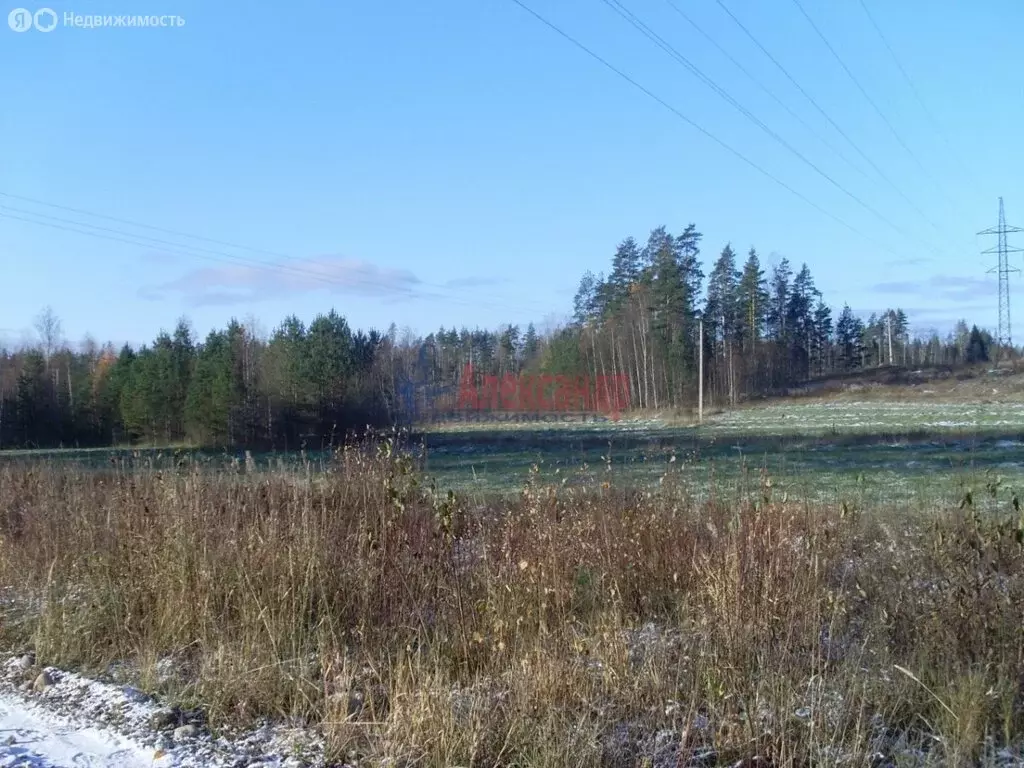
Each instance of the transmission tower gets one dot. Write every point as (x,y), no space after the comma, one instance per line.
(1003,249)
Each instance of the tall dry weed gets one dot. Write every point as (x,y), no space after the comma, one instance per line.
(597,626)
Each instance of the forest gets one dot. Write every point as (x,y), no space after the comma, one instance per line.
(308,385)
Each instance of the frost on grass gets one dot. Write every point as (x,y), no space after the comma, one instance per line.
(588,626)
(823,418)
(88,722)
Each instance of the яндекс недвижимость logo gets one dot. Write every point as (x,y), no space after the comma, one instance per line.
(22,19)
(47,20)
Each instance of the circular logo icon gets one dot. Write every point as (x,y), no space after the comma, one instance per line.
(20,19)
(45,19)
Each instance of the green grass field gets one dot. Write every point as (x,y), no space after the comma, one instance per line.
(639,590)
(902,453)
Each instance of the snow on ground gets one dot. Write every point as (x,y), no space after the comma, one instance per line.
(33,738)
(868,416)
(55,719)
(76,722)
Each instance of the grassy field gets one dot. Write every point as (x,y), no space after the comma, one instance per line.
(565,626)
(908,453)
(893,454)
(809,582)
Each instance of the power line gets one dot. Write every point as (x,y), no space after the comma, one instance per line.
(917,95)
(882,174)
(194,250)
(653,36)
(871,101)
(179,233)
(181,250)
(675,7)
(151,227)
(130,238)
(803,122)
(1003,268)
(735,152)
(129,222)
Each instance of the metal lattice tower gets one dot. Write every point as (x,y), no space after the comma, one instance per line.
(1003,249)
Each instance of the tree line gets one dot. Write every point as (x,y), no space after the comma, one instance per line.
(307,385)
(301,386)
(761,331)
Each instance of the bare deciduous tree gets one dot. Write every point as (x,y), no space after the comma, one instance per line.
(49,329)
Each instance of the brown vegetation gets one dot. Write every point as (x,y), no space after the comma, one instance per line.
(608,627)
(959,384)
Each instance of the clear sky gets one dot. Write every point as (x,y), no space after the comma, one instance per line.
(456,162)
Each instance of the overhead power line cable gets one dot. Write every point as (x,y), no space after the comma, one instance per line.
(871,101)
(141,225)
(917,95)
(771,94)
(653,36)
(803,122)
(696,126)
(193,250)
(814,103)
(191,236)
(178,249)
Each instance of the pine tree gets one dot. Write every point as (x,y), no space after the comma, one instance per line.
(721,316)
(32,412)
(849,330)
(290,390)
(668,302)
(822,339)
(753,302)
(329,364)
(687,248)
(182,361)
(135,402)
(977,346)
(779,302)
(799,323)
(625,272)
(721,313)
(563,354)
(531,346)
(213,394)
(584,303)
(508,345)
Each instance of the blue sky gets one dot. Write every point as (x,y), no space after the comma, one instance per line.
(457,162)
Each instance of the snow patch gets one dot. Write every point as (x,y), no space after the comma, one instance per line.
(77,721)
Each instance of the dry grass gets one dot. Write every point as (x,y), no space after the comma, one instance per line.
(984,383)
(564,629)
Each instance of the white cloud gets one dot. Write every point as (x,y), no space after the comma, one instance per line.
(258,281)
